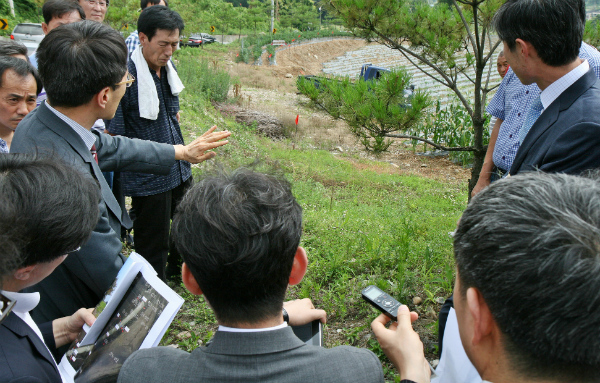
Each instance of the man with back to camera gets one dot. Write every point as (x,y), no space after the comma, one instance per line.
(133,40)
(510,105)
(47,209)
(97,57)
(239,236)
(535,318)
(19,87)
(149,110)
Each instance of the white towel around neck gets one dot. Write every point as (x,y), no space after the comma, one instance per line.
(147,94)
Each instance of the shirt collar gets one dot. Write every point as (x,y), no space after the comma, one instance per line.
(555,89)
(235,329)
(87,136)
(25,301)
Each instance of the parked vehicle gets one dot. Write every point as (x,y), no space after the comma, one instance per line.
(368,72)
(207,39)
(196,39)
(28,34)
(192,41)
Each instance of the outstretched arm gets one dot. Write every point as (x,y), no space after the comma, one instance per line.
(198,150)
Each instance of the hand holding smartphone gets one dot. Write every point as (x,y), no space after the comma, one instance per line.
(381,301)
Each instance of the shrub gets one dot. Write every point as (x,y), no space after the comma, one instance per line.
(207,77)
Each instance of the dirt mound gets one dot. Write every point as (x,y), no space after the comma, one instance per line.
(309,58)
(265,123)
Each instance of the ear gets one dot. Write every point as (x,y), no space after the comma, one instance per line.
(45,28)
(24,273)
(299,266)
(524,48)
(189,281)
(102,97)
(143,38)
(483,322)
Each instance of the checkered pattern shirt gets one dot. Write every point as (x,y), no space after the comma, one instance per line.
(3,146)
(511,102)
(132,41)
(165,129)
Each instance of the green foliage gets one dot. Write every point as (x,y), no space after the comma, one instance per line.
(253,44)
(592,32)
(450,126)
(372,109)
(122,15)
(26,11)
(202,76)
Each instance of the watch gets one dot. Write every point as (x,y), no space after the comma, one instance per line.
(286,316)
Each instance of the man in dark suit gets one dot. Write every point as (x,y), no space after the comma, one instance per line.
(46,210)
(239,236)
(84,69)
(561,132)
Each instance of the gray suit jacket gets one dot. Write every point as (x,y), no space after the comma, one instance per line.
(86,274)
(566,136)
(270,356)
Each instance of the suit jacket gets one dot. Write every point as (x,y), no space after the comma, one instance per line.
(23,355)
(82,279)
(566,136)
(270,356)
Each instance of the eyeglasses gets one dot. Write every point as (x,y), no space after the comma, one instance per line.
(6,306)
(128,82)
(93,3)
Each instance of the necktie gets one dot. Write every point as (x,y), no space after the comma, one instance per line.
(94,154)
(532,115)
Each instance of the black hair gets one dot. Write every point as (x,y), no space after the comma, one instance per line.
(144,3)
(553,27)
(78,60)
(159,17)
(11,47)
(58,8)
(47,208)
(531,245)
(20,67)
(238,234)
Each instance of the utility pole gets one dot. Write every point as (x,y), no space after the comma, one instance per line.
(12,7)
(272,16)
(320,18)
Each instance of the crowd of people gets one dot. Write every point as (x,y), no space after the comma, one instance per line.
(527,248)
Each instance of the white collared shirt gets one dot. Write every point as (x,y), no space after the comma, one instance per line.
(88,137)
(236,329)
(555,89)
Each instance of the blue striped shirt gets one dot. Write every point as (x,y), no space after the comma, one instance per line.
(511,102)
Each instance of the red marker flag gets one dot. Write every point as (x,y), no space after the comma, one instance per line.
(297,117)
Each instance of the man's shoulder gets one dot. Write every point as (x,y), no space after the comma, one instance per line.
(339,364)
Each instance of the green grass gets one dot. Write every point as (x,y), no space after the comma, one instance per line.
(363,225)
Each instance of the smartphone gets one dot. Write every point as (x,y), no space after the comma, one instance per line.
(310,333)
(381,301)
